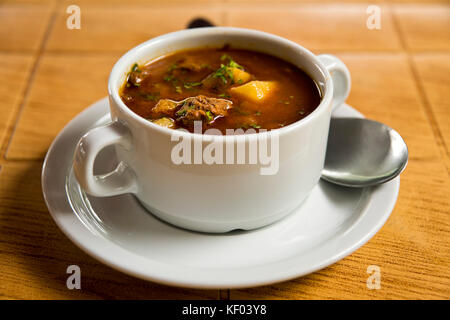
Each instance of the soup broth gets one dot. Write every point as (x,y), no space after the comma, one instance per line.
(223,88)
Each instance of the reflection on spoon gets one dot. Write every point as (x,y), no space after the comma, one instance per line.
(362,153)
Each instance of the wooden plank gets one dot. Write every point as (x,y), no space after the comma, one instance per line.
(34,254)
(434,76)
(424,26)
(392,83)
(101,32)
(320,27)
(410,249)
(63,87)
(23,25)
(14,73)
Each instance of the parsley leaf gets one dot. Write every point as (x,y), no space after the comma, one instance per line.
(135,68)
(172,67)
(225,72)
(209,116)
(191,85)
(169,78)
(150,96)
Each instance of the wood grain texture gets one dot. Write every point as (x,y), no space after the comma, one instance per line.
(141,22)
(434,76)
(55,94)
(14,72)
(400,77)
(270,2)
(412,249)
(23,24)
(34,254)
(320,26)
(425,26)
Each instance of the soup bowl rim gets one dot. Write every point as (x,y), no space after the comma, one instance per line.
(125,62)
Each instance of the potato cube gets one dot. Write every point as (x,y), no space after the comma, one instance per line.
(165,122)
(226,76)
(255,91)
(240,76)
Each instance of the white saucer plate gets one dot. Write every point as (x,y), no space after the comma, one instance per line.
(332,223)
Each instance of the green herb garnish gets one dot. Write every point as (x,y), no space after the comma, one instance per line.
(225,57)
(209,116)
(224,95)
(181,113)
(222,73)
(172,67)
(234,64)
(169,78)
(225,72)
(191,85)
(150,96)
(231,62)
(135,68)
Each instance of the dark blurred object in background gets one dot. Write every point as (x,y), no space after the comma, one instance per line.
(199,23)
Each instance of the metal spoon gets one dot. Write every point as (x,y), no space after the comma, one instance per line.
(362,153)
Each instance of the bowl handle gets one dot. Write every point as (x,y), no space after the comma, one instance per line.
(340,77)
(119,181)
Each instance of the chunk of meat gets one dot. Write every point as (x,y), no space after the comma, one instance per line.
(164,107)
(202,108)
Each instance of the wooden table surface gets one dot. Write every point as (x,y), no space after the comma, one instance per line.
(401,76)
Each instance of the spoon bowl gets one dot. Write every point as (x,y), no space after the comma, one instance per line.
(362,153)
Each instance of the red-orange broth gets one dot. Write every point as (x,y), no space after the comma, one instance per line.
(214,80)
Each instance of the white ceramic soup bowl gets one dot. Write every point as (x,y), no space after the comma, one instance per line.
(214,197)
